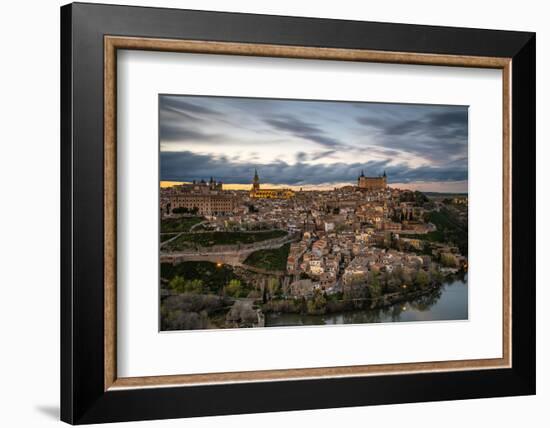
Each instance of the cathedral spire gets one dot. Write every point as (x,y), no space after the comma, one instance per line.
(256,181)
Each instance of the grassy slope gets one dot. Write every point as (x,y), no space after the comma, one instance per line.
(269,259)
(449,229)
(182,224)
(208,239)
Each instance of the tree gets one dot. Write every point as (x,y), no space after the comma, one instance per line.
(180,210)
(422,279)
(435,274)
(374,286)
(233,288)
(177,283)
(394,279)
(384,276)
(242,312)
(448,260)
(272,286)
(181,320)
(405,277)
(317,305)
(194,286)
(181,285)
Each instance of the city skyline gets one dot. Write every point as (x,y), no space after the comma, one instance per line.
(312,144)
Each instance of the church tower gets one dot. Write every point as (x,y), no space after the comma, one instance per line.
(256,181)
(361,179)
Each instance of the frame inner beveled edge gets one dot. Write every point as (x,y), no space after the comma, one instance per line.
(113,43)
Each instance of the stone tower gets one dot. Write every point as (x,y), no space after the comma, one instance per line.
(256,181)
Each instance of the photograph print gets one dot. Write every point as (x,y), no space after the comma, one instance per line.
(288,212)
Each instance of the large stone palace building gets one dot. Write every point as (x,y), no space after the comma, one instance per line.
(206,198)
(258,193)
(372,183)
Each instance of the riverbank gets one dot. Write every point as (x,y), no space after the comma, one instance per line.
(332,306)
(188,302)
(448,301)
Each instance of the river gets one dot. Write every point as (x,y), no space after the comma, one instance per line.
(449,302)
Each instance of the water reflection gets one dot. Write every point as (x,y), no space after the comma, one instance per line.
(449,302)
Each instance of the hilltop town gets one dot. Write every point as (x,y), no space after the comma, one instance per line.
(229,258)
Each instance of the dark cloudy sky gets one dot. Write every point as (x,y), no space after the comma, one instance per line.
(312,143)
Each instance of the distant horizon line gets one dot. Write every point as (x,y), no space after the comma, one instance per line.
(428,187)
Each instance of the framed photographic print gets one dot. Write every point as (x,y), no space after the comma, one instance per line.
(319,246)
(265,213)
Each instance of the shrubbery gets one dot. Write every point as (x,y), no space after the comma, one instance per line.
(189,311)
(181,285)
(214,277)
(181,224)
(242,313)
(273,259)
(234,288)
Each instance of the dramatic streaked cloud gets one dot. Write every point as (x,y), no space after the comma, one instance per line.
(311,142)
(188,166)
(304,130)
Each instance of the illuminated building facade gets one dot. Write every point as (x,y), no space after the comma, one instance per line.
(372,183)
(257,193)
